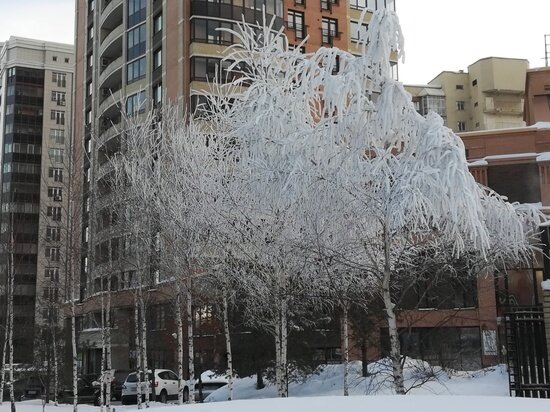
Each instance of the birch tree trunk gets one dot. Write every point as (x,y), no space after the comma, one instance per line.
(10,334)
(75,354)
(179,321)
(5,346)
(278,354)
(395,347)
(138,351)
(55,369)
(345,322)
(108,363)
(228,349)
(284,349)
(191,350)
(148,388)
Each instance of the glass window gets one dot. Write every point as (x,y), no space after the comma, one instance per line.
(136,70)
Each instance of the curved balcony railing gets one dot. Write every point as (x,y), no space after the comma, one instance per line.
(109,70)
(108,11)
(115,35)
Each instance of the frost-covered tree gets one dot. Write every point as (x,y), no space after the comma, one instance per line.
(303,121)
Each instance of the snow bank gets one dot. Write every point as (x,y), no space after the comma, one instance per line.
(328,381)
(545,284)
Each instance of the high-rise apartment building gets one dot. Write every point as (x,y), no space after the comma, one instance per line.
(130,55)
(36,80)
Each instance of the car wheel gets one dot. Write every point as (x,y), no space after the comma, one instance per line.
(124,400)
(186,395)
(163,396)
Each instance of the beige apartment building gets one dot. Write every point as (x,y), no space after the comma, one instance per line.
(36,80)
(489,95)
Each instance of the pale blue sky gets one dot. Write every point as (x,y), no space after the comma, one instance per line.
(439,34)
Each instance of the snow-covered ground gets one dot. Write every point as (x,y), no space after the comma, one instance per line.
(321,392)
(328,381)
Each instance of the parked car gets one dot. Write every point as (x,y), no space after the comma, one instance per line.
(34,388)
(20,388)
(117,378)
(165,384)
(210,385)
(88,391)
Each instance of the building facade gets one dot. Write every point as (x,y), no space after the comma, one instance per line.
(490,95)
(36,81)
(130,56)
(537,96)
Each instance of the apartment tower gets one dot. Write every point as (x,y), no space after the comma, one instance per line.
(35,125)
(130,56)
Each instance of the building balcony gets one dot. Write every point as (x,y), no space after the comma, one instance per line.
(329,36)
(112,15)
(111,75)
(300,31)
(111,105)
(111,129)
(111,46)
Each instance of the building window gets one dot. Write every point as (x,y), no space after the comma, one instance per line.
(157,24)
(52,253)
(56,155)
(53,234)
(54,58)
(459,87)
(477,125)
(55,193)
(54,212)
(91,33)
(460,105)
(85,234)
(157,59)
(474,83)
(359,4)
(88,117)
(60,79)
(157,94)
(136,12)
(58,116)
(329,28)
(136,70)
(91,60)
(358,32)
(461,126)
(476,104)
(135,104)
(206,31)
(327,4)
(136,41)
(59,98)
(206,68)
(57,136)
(52,274)
(159,318)
(66,60)
(56,174)
(296,23)
(91,6)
